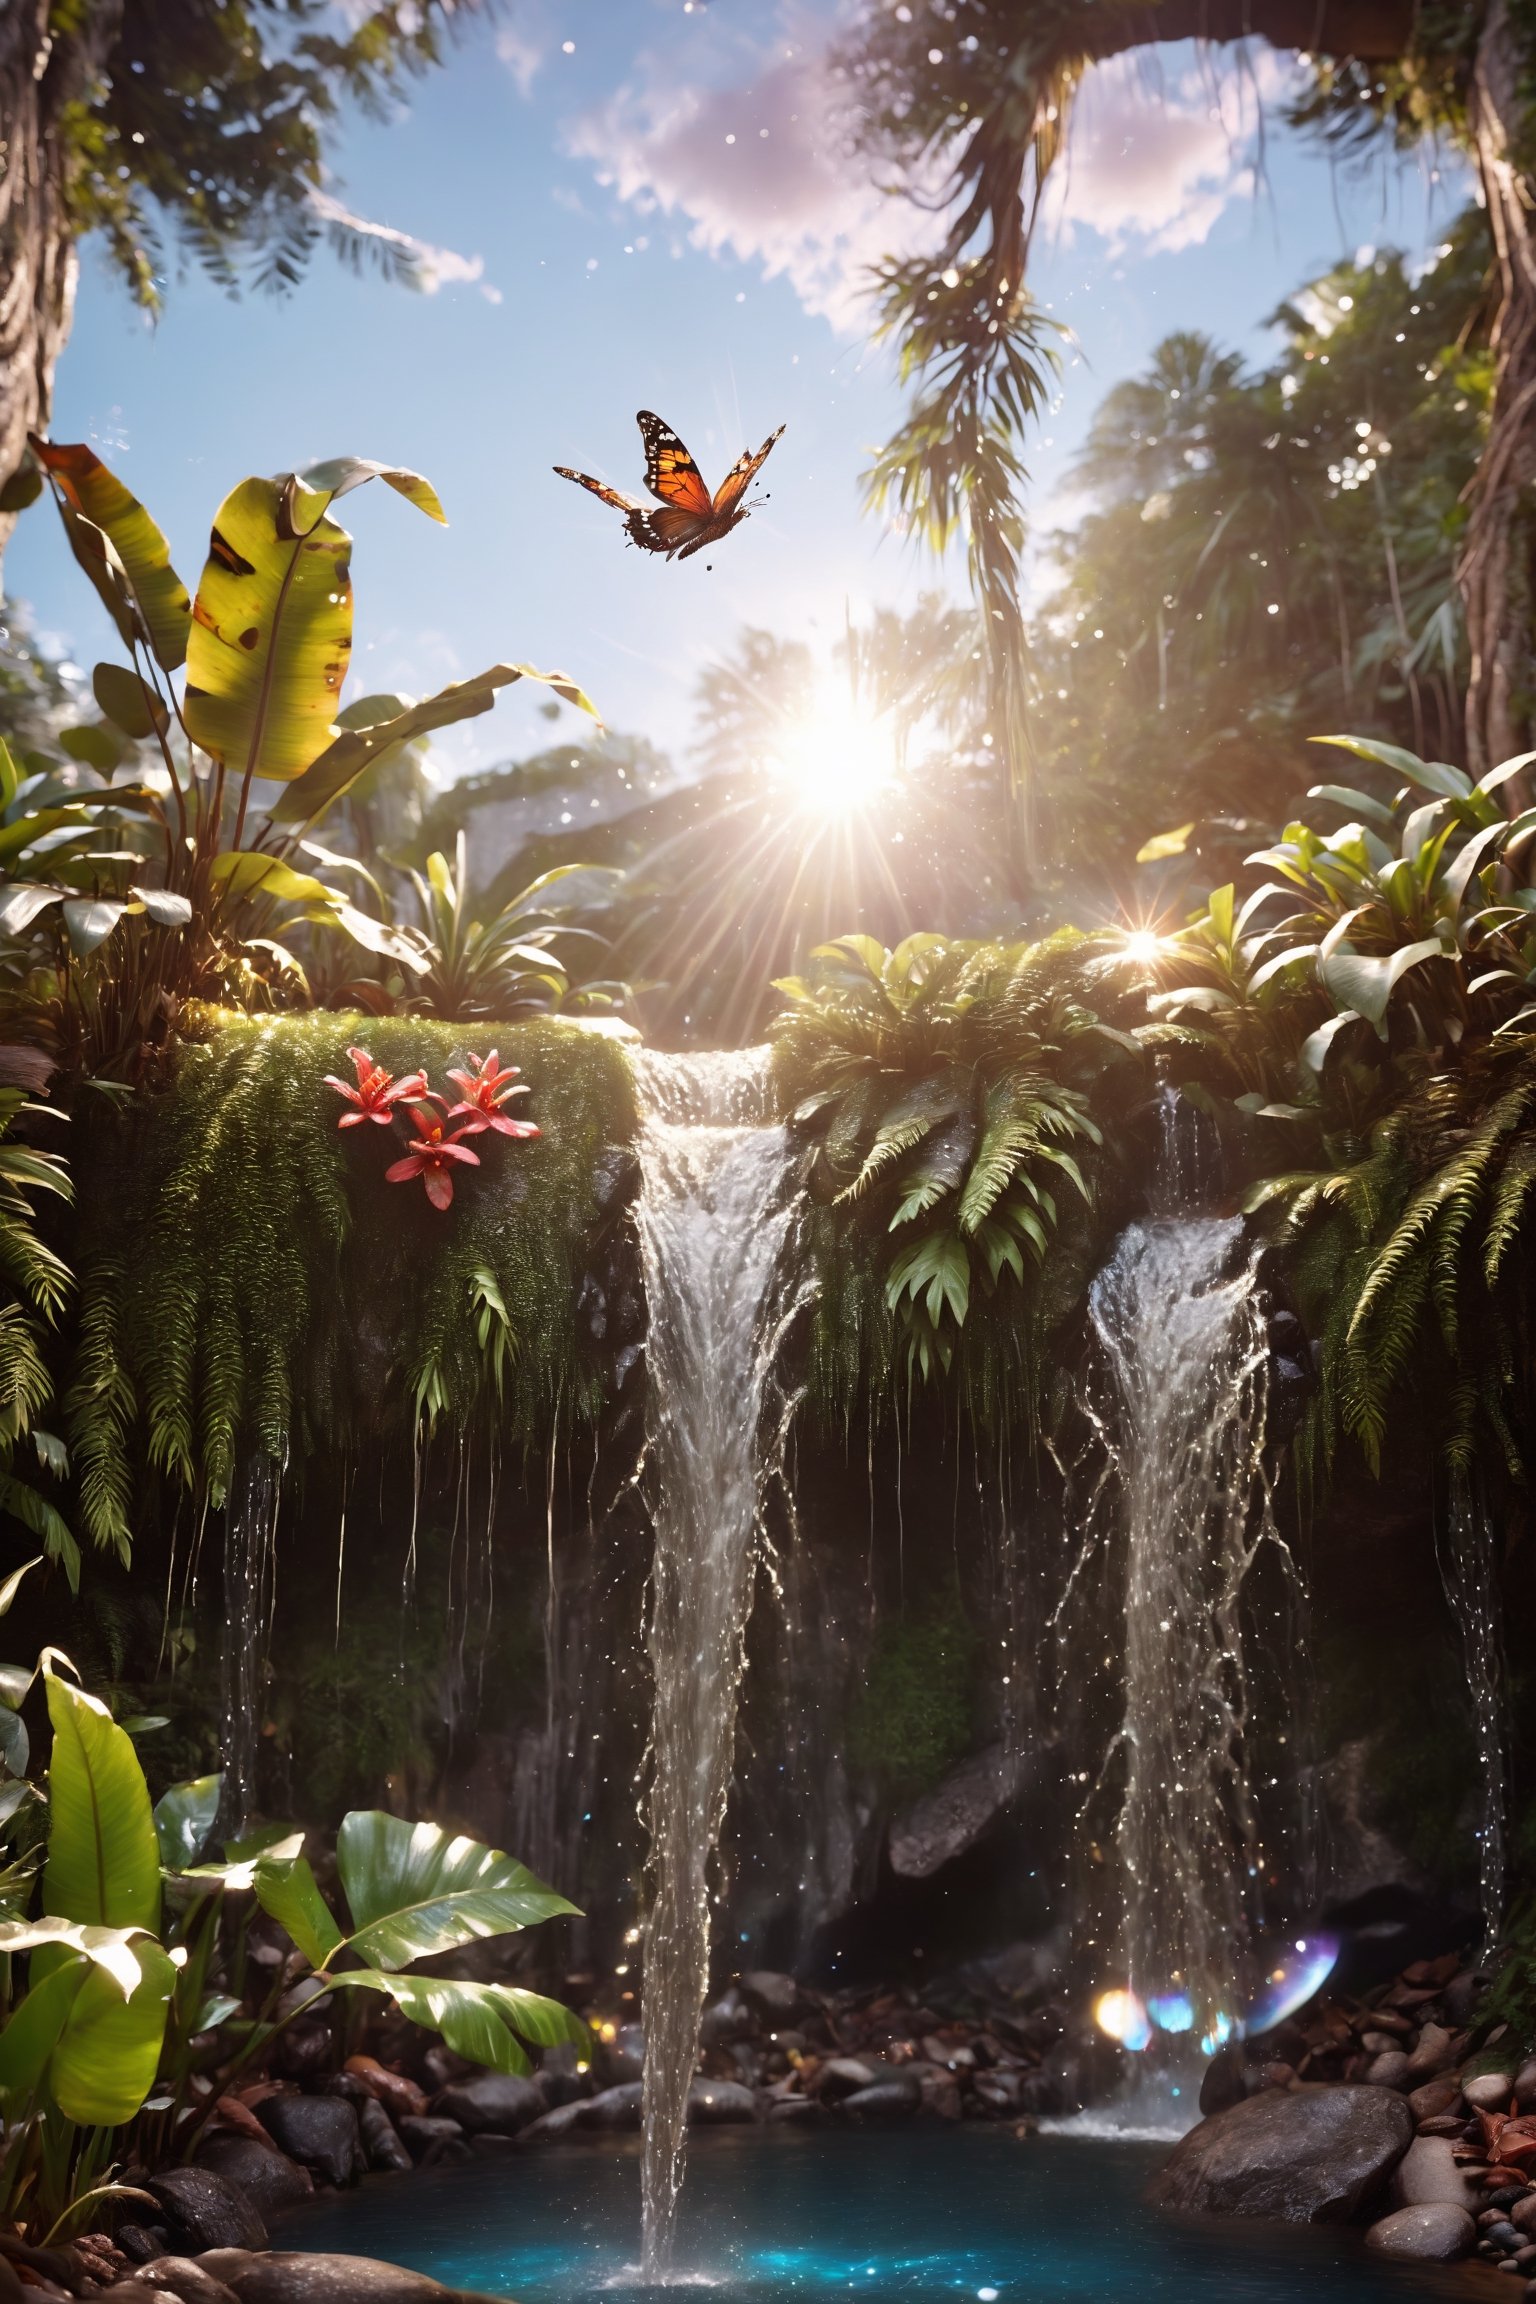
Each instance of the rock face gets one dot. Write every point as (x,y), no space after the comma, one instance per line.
(1314,2158)
(946,1821)
(318,2131)
(207,2210)
(1437,2233)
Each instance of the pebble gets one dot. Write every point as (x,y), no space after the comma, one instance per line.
(1390,2070)
(1436,2232)
(1489,2091)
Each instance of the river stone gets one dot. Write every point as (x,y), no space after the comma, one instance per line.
(716,2102)
(1525,2084)
(613,2108)
(431,2139)
(318,2131)
(497,2101)
(210,2210)
(1428,2174)
(772,1994)
(185,2277)
(842,2075)
(1435,2100)
(264,2175)
(1438,2232)
(947,1820)
(1489,2091)
(1389,2070)
(289,2277)
(381,2139)
(894,2099)
(1434,2053)
(1315,2157)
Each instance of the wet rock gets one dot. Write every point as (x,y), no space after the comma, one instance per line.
(143,2242)
(303,2050)
(842,2075)
(387,2154)
(183,2276)
(1525,2084)
(1435,2099)
(1224,2082)
(774,1996)
(997,2091)
(1501,2235)
(798,2108)
(1523,2215)
(894,2099)
(207,2210)
(614,2108)
(1436,2233)
(954,1815)
(266,2176)
(557,2087)
(727,2019)
(1434,2053)
(498,2101)
(1388,2071)
(1428,2175)
(1461,1995)
(717,2102)
(1316,2157)
(1489,2091)
(624,2054)
(320,2132)
(551,2126)
(432,2138)
(394,2090)
(287,2277)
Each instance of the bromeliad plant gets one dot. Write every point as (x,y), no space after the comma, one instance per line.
(168,849)
(134,1958)
(949,1087)
(435,1148)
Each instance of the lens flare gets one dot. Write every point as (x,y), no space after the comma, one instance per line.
(1219,2034)
(1171,2011)
(1123,2017)
(837,759)
(1294,1974)
(1143,946)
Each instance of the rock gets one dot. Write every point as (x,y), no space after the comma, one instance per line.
(442,2067)
(955,1813)
(208,2209)
(796,2108)
(557,2088)
(1388,2071)
(1489,2091)
(303,2050)
(1435,2099)
(394,2090)
(1525,2084)
(382,2142)
(613,2108)
(894,2099)
(143,2242)
(1434,2053)
(718,2102)
(775,1996)
(624,2055)
(1461,1995)
(997,2091)
(287,2277)
(183,2276)
(1428,2176)
(430,2138)
(320,2132)
(1523,2215)
(1502,2235)
(841,2075)
(1436,2233)
(727,2019)
(553,2125)
(265,2175)
(1222,2083)
(498,2101)
(1316,2157)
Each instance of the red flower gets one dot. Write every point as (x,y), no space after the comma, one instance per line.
(485,1089)
(431,1157)
(376,1093)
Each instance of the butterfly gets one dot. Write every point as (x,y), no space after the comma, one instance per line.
(689,517)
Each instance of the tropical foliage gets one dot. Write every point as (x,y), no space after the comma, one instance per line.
(34,1290)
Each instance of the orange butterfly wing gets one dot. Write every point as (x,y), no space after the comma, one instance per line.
(600,488)
(741,475)
(670,472)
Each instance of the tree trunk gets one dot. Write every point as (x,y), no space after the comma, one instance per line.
(41,74)
(1494,571)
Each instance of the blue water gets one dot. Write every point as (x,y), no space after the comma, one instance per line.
(911,2213)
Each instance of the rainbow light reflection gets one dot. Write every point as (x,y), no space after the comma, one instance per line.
(1302,1969)
(1171,2011)
(1122,2016)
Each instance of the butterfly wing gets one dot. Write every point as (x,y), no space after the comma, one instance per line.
(741,475)
(670,472)
(620,503)
(662,530)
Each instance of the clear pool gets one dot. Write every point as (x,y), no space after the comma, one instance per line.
(910,2213)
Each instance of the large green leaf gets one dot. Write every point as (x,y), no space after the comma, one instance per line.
(338,475)
(1364,982)
(99,497)
(248,871)
(105,2061)
(128,701)
(479,2021)
(271,635)
(1429,775)
(114,1950)
(286,1887)
(414,1889)
(32,2031)
(184,1817)
(356,749)
(103,1856)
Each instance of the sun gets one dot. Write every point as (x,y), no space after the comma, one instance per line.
(837,759)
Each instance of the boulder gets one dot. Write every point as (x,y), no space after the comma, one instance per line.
(896,2098)
(551,2126)
(320,2132)
(287,2277)
(497,2101)
(950,1818)
(184,2277)
(1489,2091)
(1315,2157)
(1428,2176)
(717,2102)
(387,2154)
(207,2209)
(266,2176)
(432,2138)
(1438,2232)
(841,2075)
(614,2108)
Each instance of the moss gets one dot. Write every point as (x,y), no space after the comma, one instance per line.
(249,1279)
(914,1715)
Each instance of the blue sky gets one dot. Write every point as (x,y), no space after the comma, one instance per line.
(610,227)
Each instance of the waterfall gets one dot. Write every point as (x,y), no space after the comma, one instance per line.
(250,1539)
(1184,1500)
(1469,1574)
(715,1216)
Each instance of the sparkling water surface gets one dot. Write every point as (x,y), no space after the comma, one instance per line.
(917,2212)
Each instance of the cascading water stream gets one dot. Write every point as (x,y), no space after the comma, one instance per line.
(250,1538)
(1469,1573)
(1184,1500)
(716,1217)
